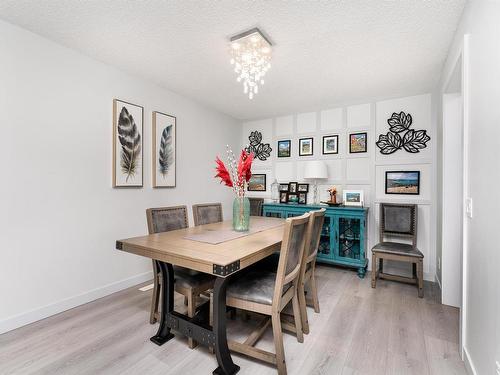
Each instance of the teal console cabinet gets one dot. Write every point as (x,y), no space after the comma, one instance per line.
(343,238)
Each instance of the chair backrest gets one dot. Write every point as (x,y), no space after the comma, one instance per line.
(291,254)
(164,219)
(316,226)
(398,220)
(207,213)
(256,206)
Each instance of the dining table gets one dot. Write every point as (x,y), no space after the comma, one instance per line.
(214,249)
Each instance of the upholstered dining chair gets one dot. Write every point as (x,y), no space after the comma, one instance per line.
(256,206)
(189,283)
(308,268)
(207,213)
(398,220)
(268,293)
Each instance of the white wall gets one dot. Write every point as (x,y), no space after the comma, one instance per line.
(363,171)
(59,216)
(482,289)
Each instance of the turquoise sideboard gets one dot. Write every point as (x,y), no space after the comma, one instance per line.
(343,238)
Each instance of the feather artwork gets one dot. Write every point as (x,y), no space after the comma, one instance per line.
(223,173)
(166,154)
(130,140)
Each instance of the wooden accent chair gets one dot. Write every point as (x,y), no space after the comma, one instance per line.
(268,293)
(398,220)
(189,283)
(308,268)
(256,206)
(207,213)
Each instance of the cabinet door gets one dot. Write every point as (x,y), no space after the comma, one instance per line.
(349,241)
(325,250)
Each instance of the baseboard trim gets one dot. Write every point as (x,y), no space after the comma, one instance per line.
(34,315)
(469,366)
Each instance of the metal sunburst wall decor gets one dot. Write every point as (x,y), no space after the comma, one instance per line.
(412,140)
(261,150)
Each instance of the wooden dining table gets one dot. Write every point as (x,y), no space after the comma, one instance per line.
(223,260)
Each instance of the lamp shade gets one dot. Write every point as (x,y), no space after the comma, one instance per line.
(315,169)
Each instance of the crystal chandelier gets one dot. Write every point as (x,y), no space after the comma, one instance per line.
(251,56)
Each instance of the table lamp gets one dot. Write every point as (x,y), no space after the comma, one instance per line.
(315,170)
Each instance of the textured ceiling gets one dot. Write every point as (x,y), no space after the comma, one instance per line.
(325,51)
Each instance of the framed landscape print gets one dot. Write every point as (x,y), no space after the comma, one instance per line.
(402,182)
(330,144)
(128,121)
(257,182)
(164,150)
(357,142)
(353,198)
(306,146)
(284,148)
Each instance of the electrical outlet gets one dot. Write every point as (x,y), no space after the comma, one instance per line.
(468,207)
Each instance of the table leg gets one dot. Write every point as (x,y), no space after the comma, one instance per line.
(167,302)
(226,365)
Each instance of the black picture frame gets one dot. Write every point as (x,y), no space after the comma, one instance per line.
(249,188)
(302,198)
(286,154)
(293,187)
(403,190)
(293,198)
(303,188)
(283,188)
(283,197)
(365,134)
(325,137)
(312,146)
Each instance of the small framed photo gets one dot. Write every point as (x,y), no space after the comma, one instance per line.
(257,182)
(293,198)
(283,197)
(303,188)
(357,142)
(292,187)
(302,198)
(284,148)
(353,198)
(402,182)
(283,188)
(306,146)
(330,144)
(164,129)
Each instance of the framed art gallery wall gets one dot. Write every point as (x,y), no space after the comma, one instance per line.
(363,171)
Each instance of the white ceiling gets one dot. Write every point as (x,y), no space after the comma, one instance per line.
(325,52)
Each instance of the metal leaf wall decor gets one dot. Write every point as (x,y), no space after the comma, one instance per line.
(261,150)
(401,136)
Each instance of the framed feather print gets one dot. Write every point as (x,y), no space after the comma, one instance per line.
(128,121)
(164,150)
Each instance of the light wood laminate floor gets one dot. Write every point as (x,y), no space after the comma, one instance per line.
(360,330)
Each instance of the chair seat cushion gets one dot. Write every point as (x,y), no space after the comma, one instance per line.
(397,249)
(187,278)
(254,286)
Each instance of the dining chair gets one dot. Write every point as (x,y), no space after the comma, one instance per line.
(398,220)
(308,268)
(188,282)
(268,293)
(256,206)
(207,213)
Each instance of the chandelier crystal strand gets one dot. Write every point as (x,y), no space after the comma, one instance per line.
(251,57)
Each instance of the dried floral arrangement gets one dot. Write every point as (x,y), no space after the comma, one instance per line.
(239,172)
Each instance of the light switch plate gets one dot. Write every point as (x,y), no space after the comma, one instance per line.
(468,207)
(498,367)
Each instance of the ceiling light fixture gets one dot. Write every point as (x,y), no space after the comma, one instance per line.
(251,55)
